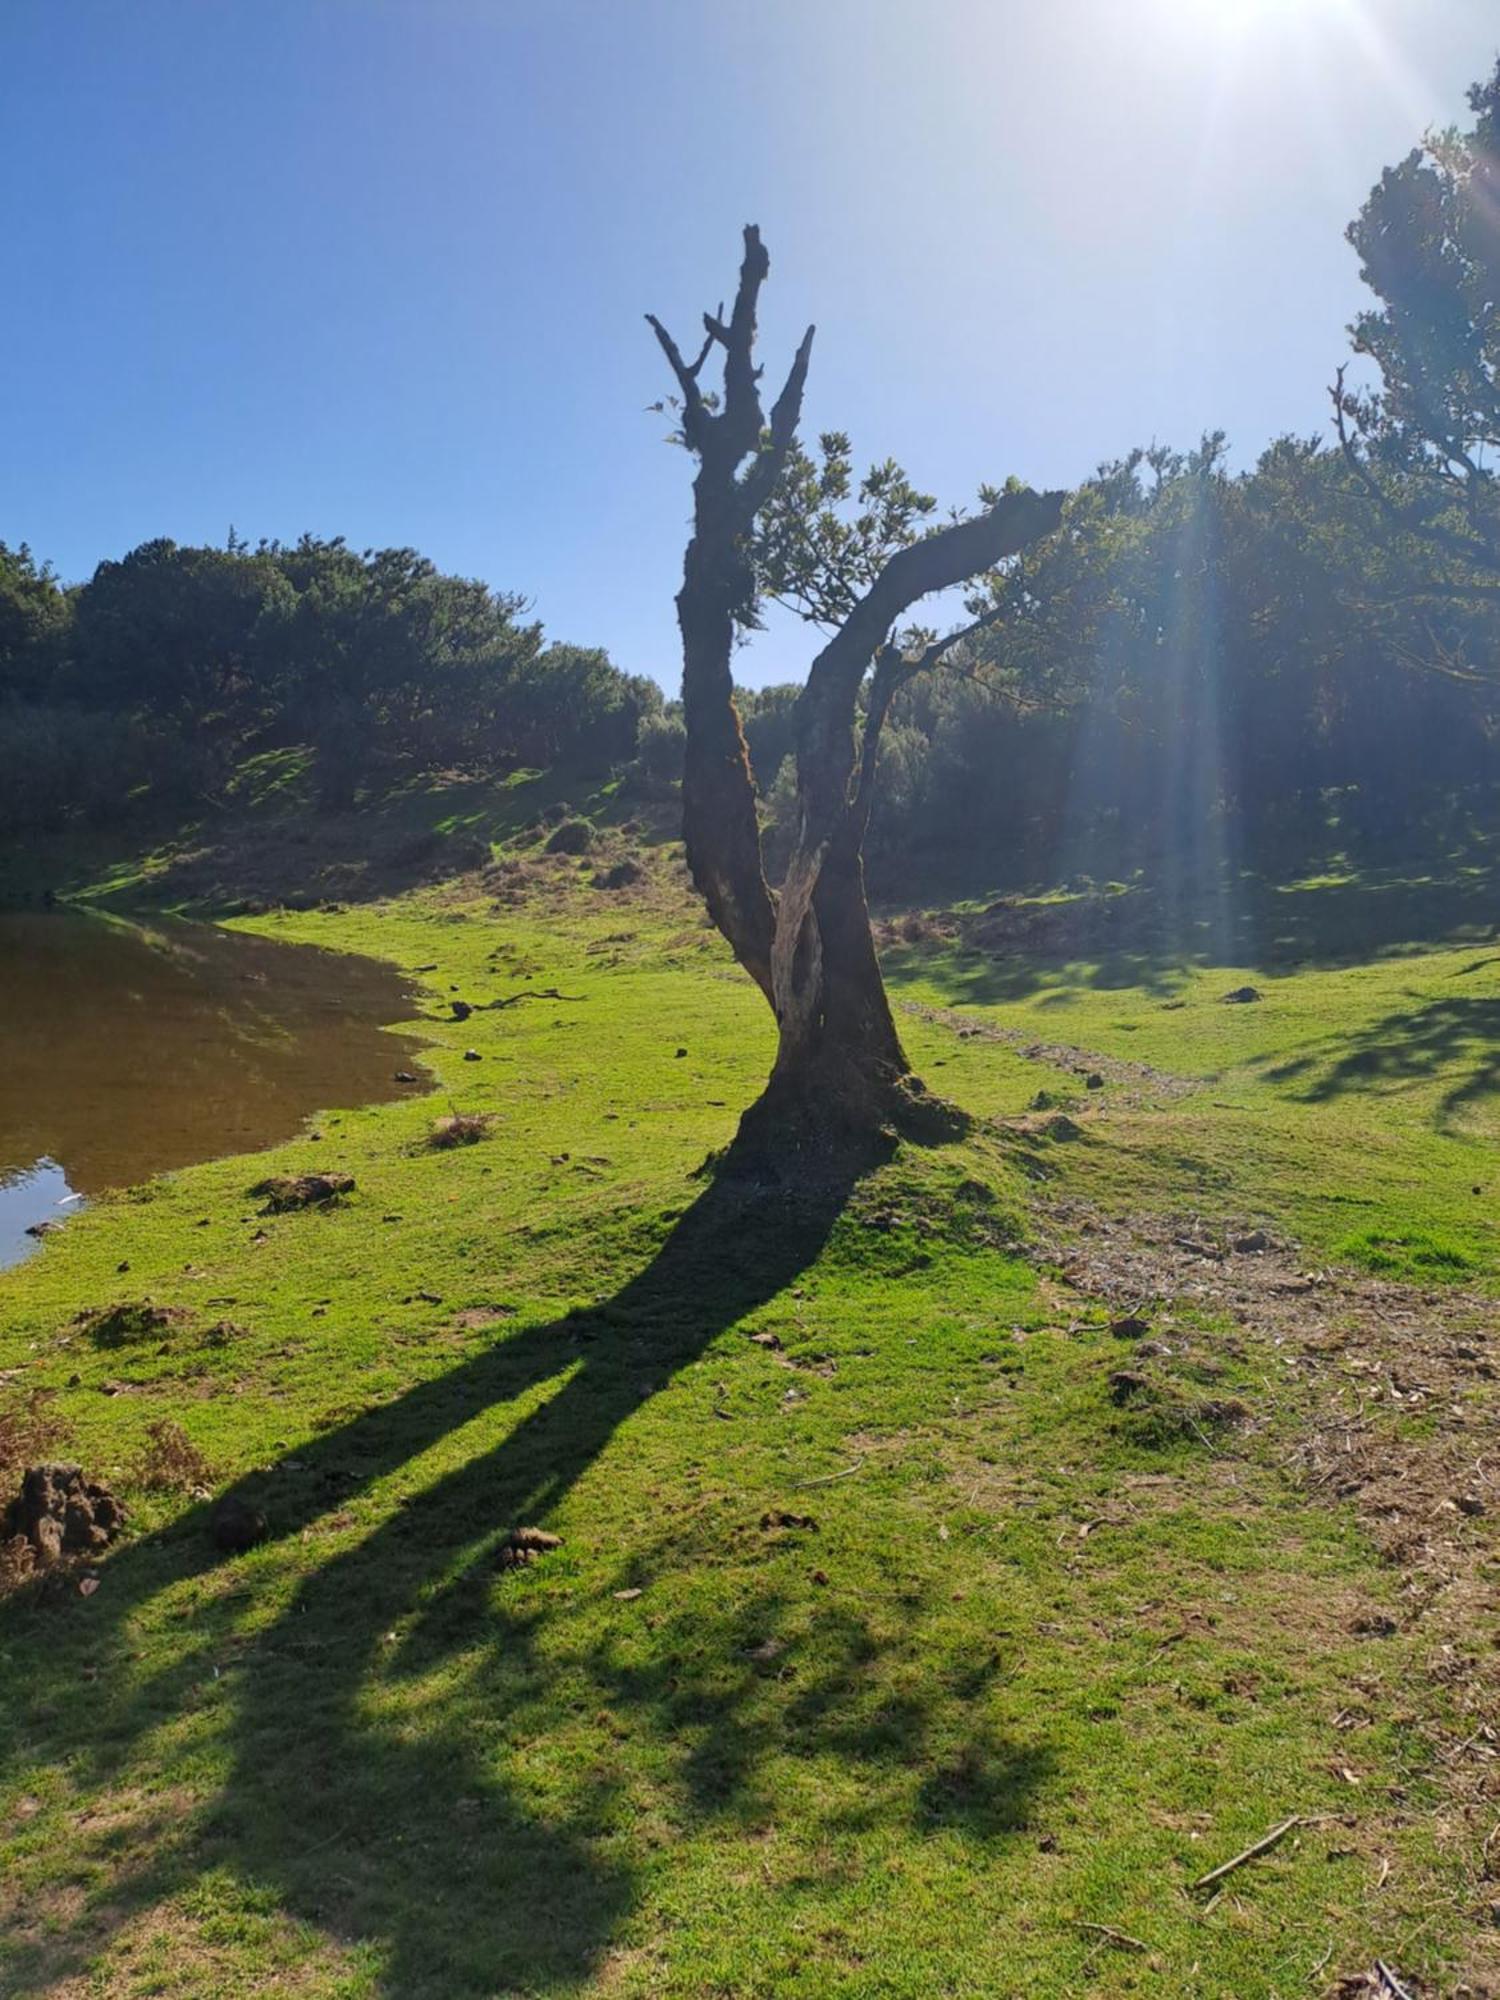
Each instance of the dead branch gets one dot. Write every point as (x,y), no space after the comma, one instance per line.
(1252,1853)
(1121,1938)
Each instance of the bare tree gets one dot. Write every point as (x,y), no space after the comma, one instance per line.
(840,1068)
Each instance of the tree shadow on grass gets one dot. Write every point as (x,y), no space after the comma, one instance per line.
(1457,1039)
(469,1858)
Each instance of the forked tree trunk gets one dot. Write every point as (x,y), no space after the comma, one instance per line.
(840,1069)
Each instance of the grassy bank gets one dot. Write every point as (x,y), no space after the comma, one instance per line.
(891,1647)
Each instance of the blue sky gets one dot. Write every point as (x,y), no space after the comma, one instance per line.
(378,267)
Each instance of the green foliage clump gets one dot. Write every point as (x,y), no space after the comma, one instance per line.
(1413,1254)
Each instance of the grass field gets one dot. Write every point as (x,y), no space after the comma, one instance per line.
(891,1648)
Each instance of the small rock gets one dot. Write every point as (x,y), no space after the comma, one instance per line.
(1469,1503)
(461,1009)
(404,1076)
(235,1525)
(1130,1327)
(680,1054)
(1093,1081)
(472,1055)
(1061,1127)
(1242,995)
(1253,1240)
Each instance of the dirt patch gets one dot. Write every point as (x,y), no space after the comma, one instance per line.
(1388,1395)
(126,1321)
(1128,1082)
(474,1319)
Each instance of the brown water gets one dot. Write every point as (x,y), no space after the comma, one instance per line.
(130,1049)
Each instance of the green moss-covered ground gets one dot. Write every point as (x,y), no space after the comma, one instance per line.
(883,1654)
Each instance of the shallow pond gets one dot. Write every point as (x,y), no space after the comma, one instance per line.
(129,1049)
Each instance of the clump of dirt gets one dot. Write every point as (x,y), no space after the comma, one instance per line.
(574,836)
(283,1192)
(624,875)
(27,1430)
(223,1333)
(459,1128)
(125,1321)
(59,1513)
(522,1546)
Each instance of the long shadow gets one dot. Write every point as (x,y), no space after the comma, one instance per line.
(1454,1038)
(411,1836)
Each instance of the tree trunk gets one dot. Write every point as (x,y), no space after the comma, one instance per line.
(720,828)
(840,1072)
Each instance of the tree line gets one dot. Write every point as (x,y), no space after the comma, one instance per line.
(154,679)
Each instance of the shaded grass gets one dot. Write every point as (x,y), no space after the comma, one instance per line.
(1289,1122)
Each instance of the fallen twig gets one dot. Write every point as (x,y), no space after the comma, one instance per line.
(540,993)
(1262,1846)
(1389,1983)
(827,1478)
(1122,1938)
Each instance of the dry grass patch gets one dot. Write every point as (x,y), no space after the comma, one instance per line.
(169,1461)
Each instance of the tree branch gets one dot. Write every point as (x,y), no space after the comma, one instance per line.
(893,670)
(694,410)
(759,483)
(1464,548)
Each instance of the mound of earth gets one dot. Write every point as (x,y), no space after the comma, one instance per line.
(59,1513)
(282,1192)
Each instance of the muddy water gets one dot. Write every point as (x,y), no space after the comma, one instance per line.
(130,1049)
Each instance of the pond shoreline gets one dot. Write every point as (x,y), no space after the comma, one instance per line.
(139,1046)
